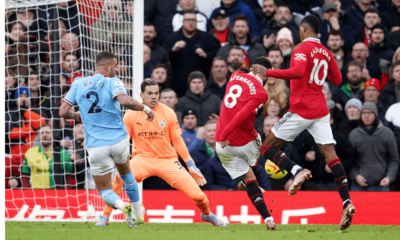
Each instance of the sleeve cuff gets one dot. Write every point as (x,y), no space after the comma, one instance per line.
(116,95)
(68,102)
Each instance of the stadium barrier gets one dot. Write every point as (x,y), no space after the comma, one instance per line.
(231,206)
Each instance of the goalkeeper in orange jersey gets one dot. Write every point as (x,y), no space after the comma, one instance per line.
(153,154)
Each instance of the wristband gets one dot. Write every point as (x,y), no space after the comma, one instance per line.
(146,109)
(190,163)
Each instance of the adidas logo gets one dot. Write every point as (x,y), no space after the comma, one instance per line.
(345,180)
(258,199)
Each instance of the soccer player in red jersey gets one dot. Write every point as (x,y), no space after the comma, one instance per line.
(310,65)
(238,143)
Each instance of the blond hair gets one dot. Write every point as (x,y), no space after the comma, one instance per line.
(280,88)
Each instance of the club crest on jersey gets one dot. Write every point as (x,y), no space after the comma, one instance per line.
(161,123)
(119,83)
(300,56)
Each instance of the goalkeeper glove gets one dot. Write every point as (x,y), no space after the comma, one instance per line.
(195,173)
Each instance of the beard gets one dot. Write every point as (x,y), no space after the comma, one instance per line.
(235,65)
(221,28)
(335,50)
(283,22)
(148,39)
(45,143)
(355,81)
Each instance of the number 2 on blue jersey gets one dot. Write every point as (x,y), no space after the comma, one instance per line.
(94,108)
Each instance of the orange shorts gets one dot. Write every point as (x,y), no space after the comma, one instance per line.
(168,169)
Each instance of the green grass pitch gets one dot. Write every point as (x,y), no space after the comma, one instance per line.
(203,231)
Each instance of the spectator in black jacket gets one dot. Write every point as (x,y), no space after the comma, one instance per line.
(148,64)
(312,159)
(360,53)
(174,22)
(243,38)
(189,50)
(356,13)
(159,73)
(158,54)
(39,95)
(353,115)
(282,18)
(219,77)
(235,60)
(206,148)
(371,18)
(199,98)
(168,97)
(391,17)
(331,21)
(221,28)
(391,92)
(156,11)
(268,9)
(335,45)
(380,54)
(68,13)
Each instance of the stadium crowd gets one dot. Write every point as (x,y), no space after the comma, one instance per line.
(191,49)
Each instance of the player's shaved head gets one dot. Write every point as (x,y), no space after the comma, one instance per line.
(105,58)
(312,22)
(263,62)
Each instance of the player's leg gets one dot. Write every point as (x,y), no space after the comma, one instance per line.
(322,133)
(100,159)
(286,130)
(256,197)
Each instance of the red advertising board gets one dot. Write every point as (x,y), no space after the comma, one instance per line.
(231,206)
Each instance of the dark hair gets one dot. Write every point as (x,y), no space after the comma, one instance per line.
(263,62)
(372,10)
(313,22)
(241,17)
(395,64)
(218,58)
(150,24)
(235,47)
(160,65)
(105,56)
(283,5)
(197,74)
(147,82)
(335,32)
(68,54)
(189,12)
(354,63)
(167,90)
(275,49)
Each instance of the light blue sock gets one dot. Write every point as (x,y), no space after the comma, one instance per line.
(132,191)
(111,198)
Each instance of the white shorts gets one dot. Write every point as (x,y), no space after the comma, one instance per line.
(237,160)
(102,159)
(291,125)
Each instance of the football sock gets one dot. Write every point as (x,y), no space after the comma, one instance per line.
(132,191)
(117,185)
(340,180)
(111,199)
(256,197)
(280,159)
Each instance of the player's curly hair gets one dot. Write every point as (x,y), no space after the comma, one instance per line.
(313,22)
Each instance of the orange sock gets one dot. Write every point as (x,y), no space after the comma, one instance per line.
(117,185)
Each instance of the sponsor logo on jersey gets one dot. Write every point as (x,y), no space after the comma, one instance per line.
(152,135)
(300,56)
(161,123)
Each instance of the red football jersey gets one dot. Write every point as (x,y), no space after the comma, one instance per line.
(244,95)
(310,65)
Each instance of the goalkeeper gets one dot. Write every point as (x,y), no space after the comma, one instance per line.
(153,154)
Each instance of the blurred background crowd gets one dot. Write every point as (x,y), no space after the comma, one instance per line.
(191,48)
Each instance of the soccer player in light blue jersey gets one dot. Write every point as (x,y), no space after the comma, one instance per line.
(99,98)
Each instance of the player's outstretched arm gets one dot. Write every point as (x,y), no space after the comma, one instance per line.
(67,113)
(134,105)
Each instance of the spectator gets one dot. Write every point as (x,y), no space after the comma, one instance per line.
(168,97)
(70,44)
(353,115)
(356,13)
(331,21)
(274,107)
(256,8)
(158,54)
(335,45)
(174,22)
(16,50)
(284,42)
(156,11)
(312,159)
(335,110)
(221,28)
(396,55)
(69,15)
(10,85)
(79,156)
(205,149)
(380,55)
(189,50)
(40,96)
(70,67)
(392,121)
(129,11)
(276,87)
(372,90)
(110,32)
(371,18)
(234,60)
(147,63)
(276,58)
(38,168)
(159,73)
(233,8)
(247,41)
(190,135)
(360,54)
(377,157)
(391,18)
(199,98)
(391,92)
(219,77)
(125,73)
(282,18)
(268,9)
(354,87)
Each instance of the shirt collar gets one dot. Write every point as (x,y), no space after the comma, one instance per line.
(256,77)
(312,40)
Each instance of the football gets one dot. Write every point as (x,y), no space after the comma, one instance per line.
(274,171)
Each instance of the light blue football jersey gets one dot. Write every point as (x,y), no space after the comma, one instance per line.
(100,111)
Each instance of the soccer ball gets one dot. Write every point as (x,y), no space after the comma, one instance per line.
(274,171)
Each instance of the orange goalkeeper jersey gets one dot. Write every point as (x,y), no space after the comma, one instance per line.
(155,138)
